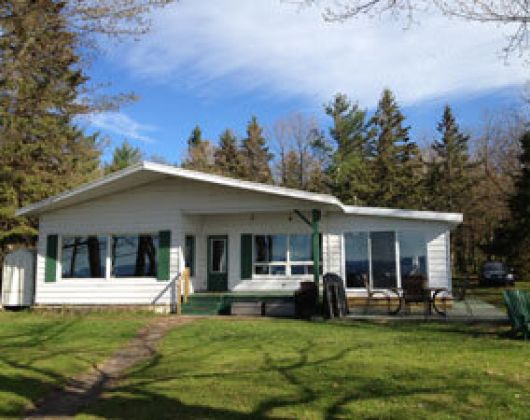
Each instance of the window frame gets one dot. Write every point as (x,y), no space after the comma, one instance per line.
(288,263)
(60,245)
(397,256)
(110,268)
(108,257)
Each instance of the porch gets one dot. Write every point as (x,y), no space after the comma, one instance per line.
(470,309)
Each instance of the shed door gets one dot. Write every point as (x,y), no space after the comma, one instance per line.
(218,263)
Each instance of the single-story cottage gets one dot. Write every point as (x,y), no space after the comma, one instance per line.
(120,240)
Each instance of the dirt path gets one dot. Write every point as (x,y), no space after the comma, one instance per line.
(85,389)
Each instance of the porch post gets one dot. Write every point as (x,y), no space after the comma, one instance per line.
(315,222)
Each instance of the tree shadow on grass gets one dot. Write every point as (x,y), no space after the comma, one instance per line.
(141,397)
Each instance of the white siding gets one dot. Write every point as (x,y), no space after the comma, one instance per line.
(189,207)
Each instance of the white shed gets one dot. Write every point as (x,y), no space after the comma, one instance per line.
(18,279)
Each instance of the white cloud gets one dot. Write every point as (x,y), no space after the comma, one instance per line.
(122,125)
(236,46)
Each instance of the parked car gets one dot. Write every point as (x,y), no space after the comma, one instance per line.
(496,273)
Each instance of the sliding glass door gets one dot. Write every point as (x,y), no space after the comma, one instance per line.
(382,258)
(357,259)
(383,247)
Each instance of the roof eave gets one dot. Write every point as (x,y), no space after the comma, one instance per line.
(433,216)
(41,206)
(33,209)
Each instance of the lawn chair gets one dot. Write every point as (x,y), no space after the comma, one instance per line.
(518,308)
(334,297)
(415,291)
(370,296)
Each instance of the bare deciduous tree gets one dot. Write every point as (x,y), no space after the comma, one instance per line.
(293,138)
(510,13)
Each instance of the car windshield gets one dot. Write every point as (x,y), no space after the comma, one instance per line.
(494,266)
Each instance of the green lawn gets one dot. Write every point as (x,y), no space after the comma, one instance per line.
(251,369)
(38,351)
(493,295)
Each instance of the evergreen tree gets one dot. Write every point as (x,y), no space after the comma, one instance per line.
(200,153)
(228,159)
(448,180)
(396,162)
(520,214)
(42,152)
(349,171)
(512,239)
(256,156)
(195,138)
(123,157)
(448,174)
(321,151)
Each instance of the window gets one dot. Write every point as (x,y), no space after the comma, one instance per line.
(134,256)
(412,254)
(270,254)
(357,264)
(383,253)
(284,255)
(301,254)
(189,253)
(218,255)
(372,256)
(83,256)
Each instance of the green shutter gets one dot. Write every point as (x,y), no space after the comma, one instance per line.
(246,256)
(50,268)
(164,248)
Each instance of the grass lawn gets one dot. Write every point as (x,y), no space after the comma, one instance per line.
(39,350)
(493,295)
(251,369)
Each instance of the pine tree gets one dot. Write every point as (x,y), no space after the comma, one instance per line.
(123,157)
(228,159)
(448,180)
(200,153)
(396,162)
(448,174)
(256,156)
(195,138)
(349,171)
(42,152)
(512,239)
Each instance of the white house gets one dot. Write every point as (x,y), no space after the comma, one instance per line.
(119,240)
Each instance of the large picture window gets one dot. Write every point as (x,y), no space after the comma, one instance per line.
(83,256)
(372,256)
(134,256)
(283,255)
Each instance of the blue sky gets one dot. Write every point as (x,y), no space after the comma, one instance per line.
(218,63)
